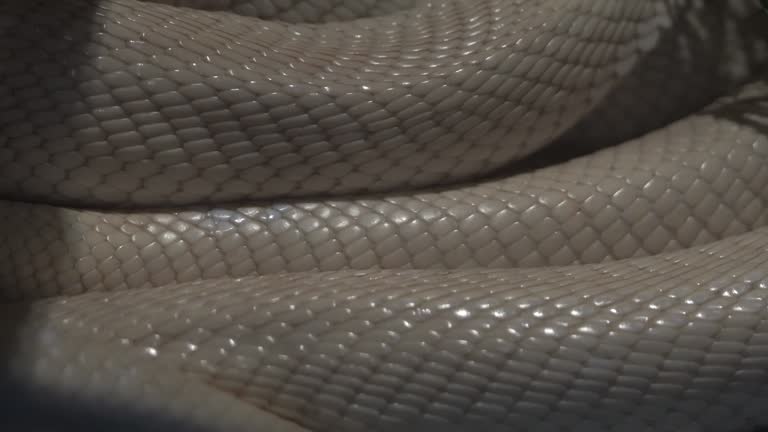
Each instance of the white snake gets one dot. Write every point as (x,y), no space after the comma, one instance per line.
(209,157)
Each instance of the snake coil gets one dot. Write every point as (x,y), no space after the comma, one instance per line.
(359,215)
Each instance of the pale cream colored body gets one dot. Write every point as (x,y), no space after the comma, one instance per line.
(336,157)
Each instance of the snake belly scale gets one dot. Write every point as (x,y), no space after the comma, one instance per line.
(385,215)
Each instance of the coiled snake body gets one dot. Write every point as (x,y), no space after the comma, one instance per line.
(317,215)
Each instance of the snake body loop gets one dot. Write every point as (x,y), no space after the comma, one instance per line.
(384,215)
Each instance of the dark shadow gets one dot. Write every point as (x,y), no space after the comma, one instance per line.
(25,408)
(722,50)
(31,73)
(28,407)
(751,111)
(43,52)
(310,12)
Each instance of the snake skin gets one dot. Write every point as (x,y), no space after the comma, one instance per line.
(301,11)
(696,181)
(341,215)
(125,121)
(671,342)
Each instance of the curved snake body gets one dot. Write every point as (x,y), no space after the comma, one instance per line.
(300,215)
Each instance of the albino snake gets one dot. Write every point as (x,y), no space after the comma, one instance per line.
(321,215)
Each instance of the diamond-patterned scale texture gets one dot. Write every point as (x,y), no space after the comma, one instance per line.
(185,106)
(301,11)
(664,343)
(384,215)
(699,180)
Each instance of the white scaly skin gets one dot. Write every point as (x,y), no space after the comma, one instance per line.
(626,290)
(148,109)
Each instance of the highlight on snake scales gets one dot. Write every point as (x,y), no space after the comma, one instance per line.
(384,215)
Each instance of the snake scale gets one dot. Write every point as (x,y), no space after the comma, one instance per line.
(380,215)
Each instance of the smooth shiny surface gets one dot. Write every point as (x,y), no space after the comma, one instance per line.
(348,255)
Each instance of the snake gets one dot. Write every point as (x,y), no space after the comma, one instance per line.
(381,215)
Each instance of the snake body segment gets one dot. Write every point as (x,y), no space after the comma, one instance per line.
(338,215)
